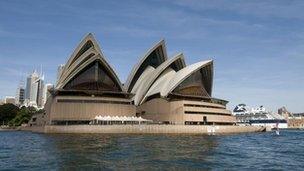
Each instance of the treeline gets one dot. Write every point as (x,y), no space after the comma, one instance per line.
(14,116)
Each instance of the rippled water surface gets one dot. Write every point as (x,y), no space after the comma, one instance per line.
(33,151)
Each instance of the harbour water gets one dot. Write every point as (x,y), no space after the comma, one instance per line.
(32,151)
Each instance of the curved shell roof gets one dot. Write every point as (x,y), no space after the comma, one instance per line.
(86,52)
(181,75)
(160,84)
(146,80)
(170,79)
(153,74)
(142,64)
(142,79)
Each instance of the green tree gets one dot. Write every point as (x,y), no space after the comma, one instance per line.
(23,116)
(8,112)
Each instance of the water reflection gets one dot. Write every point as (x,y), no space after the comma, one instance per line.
(132,151)
(254,151)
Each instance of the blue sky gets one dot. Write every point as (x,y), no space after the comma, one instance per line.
(257,46)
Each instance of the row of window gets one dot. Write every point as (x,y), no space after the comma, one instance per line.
(205,113)
(91,101)
(204,106)
(207,123)
(86,122)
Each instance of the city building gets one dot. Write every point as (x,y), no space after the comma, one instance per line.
(167,91)
(40,83)
(46,92)
(158,89)
(9,99)
(87,87)
(34,90)
(284,112)
(296,120)
(20,95)
(29,81)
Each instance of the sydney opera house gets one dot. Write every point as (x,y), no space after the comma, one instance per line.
(160,89)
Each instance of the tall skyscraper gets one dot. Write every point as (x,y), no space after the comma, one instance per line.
(20,94)
(30,80)
(40,85)
(34,90)
(59,71)
(28,87)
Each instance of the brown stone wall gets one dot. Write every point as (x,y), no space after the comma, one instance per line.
(38,120)
(210,118)
(161,110)
(87,111)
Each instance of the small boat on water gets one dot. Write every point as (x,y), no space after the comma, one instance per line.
(277,131)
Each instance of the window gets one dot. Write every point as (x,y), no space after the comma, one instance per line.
(91,101)
(205,120)
(203,106)
(205,113)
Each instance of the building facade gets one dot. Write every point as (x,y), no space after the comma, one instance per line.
(296,120)
(284,112)
(10,100)
(20,95)
(30,80)
(159,89)
(167,91)
(87,87)
(46,92)
(34,90)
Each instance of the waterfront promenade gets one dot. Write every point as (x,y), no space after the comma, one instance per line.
(145,129)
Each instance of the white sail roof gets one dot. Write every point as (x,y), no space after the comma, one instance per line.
(160,84)
(148,80)
(135,73)
(183,74)
(170,79)
(153,74)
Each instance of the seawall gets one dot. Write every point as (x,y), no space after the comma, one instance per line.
(145,129)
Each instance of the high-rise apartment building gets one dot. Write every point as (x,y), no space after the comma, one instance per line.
(34,90)
(20,95)
(30,80)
